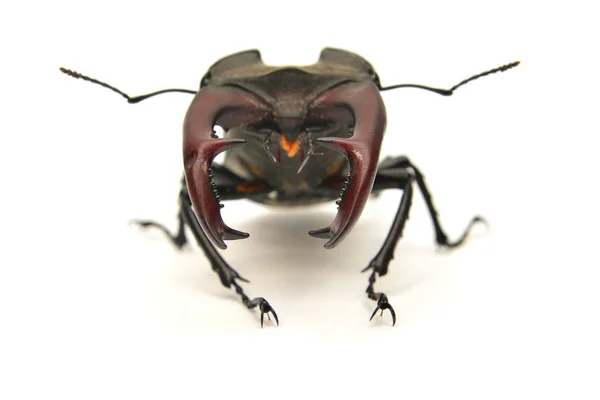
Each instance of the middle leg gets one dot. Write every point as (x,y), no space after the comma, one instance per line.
(384,181)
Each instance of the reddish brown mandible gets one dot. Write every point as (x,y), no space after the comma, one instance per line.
(362,150)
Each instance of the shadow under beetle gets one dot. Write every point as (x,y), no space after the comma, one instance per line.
(296,135)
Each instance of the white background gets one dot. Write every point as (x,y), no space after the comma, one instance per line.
(92,308)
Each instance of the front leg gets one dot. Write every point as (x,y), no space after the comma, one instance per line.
(384,181)
(231,189)
(379,264)
(228,275)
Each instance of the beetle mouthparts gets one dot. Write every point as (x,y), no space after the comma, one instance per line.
(301,146)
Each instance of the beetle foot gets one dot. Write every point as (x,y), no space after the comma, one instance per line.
(263,305)
(265,308)
(383,304)
(442,238)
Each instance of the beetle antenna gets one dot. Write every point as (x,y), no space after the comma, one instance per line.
(130,100)
(449,92)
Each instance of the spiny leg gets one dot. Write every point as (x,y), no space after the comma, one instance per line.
(228,275)
(379,264)
(383,182)
(186,217)
(399,173)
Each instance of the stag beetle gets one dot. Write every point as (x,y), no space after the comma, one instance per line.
(296,135)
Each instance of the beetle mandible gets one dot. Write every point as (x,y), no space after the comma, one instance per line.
(276,120)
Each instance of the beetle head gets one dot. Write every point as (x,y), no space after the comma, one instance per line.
(341,90)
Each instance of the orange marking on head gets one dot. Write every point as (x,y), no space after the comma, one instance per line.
(290,148)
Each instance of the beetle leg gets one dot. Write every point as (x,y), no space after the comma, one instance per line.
(383,181)
(179,240)
(264,307)
(379,264)
(382,304)
(399,173)
(228,275)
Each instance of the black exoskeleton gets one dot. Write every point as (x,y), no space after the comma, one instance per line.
(296,135)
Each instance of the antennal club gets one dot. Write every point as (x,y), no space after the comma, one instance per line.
(130,100)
